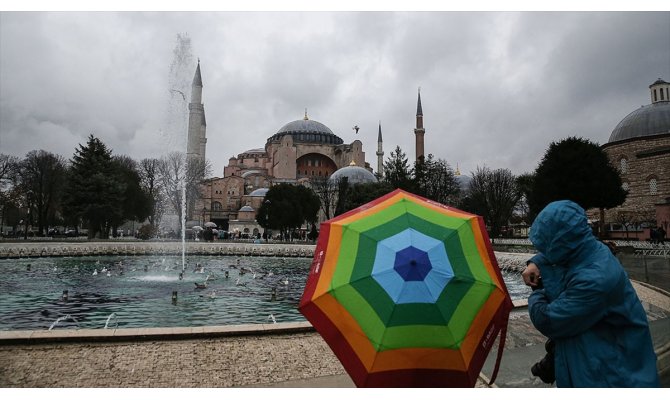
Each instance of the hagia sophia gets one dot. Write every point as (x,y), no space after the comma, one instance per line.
(305,149)
(300,150)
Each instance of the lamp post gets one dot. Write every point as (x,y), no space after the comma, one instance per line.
(267,213)
(25,228)
(29,194)
(204,210)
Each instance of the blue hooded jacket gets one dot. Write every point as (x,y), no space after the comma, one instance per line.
(588,307)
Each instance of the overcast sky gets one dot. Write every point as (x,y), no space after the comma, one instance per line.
(496,87)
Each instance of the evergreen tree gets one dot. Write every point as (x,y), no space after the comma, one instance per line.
(94,192)
(435,180)
(576,169)
(136,203)
(397,171)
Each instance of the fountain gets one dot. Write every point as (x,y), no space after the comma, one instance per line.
(176,128)
(64,318)
(148,296)
(112,315)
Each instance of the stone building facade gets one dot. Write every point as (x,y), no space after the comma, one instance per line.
(639,147)
(299,151)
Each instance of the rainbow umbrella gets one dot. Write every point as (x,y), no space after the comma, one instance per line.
(407,293)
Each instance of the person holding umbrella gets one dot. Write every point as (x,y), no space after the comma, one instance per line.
(588,307)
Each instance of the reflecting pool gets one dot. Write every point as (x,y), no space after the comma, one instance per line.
(142,291)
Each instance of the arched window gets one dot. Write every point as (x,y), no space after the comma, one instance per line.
(216,206)
(623,165)
(653,186)
(625,186)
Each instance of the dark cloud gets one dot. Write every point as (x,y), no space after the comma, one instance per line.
(496,87)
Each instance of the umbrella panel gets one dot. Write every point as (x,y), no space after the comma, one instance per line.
(365,255)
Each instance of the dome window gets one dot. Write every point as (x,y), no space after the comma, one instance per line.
(625,186)
(623,165)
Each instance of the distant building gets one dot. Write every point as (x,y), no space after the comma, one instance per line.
(640,147)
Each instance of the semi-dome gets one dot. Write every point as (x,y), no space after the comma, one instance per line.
(354,175)
(259,192)
(307,131)
(246,208)
(649,120)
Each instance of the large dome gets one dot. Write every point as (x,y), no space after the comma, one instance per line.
(354,175)
(649,120)
(307,131)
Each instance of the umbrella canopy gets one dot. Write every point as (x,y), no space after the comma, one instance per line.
(210,224)
(407,292)
(197,228)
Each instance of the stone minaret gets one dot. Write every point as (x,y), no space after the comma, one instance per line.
(197,126)
(380,153)
(419,131)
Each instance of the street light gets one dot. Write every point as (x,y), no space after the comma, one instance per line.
(267,213)
(204,210)
(29,195)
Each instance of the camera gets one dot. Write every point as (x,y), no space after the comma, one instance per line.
(544,369)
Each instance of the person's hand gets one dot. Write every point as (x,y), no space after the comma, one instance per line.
(531,275)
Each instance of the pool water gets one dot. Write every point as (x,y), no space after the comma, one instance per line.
(137,291)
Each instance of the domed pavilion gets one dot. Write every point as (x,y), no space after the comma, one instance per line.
(640,147)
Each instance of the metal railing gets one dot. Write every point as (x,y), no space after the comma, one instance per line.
(640,248)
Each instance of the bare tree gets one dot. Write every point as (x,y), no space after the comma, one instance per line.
(493,195)
(182,175)
(151,183)
(42,177)
(326,190)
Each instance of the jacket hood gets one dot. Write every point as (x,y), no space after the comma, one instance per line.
(559,230)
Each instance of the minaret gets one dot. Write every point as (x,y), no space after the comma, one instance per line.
(197,125)
(380,153)
(419,131)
